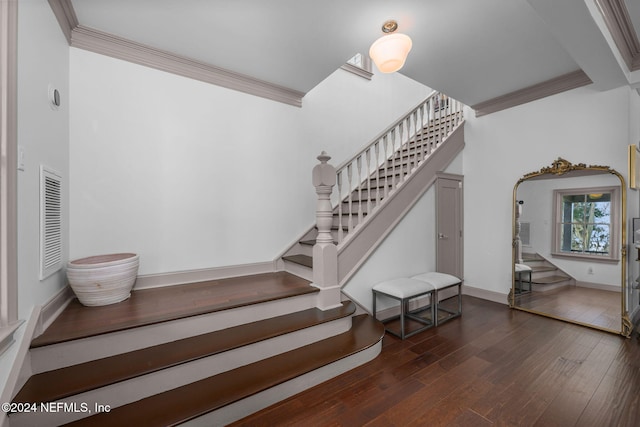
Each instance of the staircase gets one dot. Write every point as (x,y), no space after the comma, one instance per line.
(210,353)
(378,185)
(545,276)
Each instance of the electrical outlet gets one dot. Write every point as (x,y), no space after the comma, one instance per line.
(20,158)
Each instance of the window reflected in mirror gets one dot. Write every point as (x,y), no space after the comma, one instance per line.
(584,222)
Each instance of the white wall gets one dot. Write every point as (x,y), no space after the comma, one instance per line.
(43,133)
(408,250)
(581,125)
(192,176)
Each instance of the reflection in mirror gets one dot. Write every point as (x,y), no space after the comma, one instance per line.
(569,252)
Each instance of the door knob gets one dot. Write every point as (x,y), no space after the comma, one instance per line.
(442,236)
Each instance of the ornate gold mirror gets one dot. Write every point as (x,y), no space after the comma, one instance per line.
(569,245)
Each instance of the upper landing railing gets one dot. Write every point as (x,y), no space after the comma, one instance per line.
(381,167)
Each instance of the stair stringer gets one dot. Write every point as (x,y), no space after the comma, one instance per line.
(365,238)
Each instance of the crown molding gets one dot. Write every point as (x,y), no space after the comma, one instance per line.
(357,71)
(541,90)
(107,44)
(616,16)
(66,16)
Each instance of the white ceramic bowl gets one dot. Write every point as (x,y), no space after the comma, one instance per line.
(103,279)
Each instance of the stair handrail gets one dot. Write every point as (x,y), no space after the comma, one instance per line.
(435,109)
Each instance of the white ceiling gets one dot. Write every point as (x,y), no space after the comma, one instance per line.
(472,50)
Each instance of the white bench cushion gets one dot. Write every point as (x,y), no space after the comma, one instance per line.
(438,280)
(521,267)
(403,287)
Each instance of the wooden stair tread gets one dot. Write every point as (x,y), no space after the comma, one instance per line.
(542,268)
(190,401)
(151,306)
(312,242)
(304,260)
(60,383)
(550,280)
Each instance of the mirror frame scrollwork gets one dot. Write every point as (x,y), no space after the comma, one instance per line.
(561,167)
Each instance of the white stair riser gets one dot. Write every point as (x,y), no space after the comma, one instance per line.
(83,350)
(147,385)
(299,270)
(259,401)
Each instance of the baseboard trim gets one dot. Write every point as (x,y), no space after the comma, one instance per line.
(53,308)
(192,276)
(21,368)
(600,286)
(494,296)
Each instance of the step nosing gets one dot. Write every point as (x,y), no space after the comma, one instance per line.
(106,329)
(190,401)
(275,327)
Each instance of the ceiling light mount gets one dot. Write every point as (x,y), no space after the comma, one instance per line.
(390,26)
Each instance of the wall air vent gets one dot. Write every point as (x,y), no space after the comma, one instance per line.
(50,222)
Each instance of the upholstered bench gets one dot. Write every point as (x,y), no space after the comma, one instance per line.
(521,269)
(442,281)
(404,290)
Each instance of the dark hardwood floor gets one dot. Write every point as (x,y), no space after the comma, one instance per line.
(149,306)
(491,367)
(596,307)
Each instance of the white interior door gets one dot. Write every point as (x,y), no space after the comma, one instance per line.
(449,225)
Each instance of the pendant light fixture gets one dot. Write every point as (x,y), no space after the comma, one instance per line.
(390,51)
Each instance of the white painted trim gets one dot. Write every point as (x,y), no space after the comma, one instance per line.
(550,87)
(263,399)
(357,71)
(120,48)
(52,309)
(21,369)
(201,275)
(168,378)
(601,286)
(103,43)
(68,353)
(499,297)
(8,172)
(616,16)
(66,16)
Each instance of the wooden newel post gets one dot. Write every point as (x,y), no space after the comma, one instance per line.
(518,242)
(325,252)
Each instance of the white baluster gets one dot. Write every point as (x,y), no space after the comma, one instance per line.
(401,149)
(393,159)
(432,122)
(385,143)
(378,178)
(422,142)
(368,178)
(349,188)
(415,139)
(360,183)
(340,231)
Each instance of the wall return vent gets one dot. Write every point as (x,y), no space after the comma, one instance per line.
(50,222)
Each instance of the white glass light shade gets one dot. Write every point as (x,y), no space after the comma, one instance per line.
(390,51)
